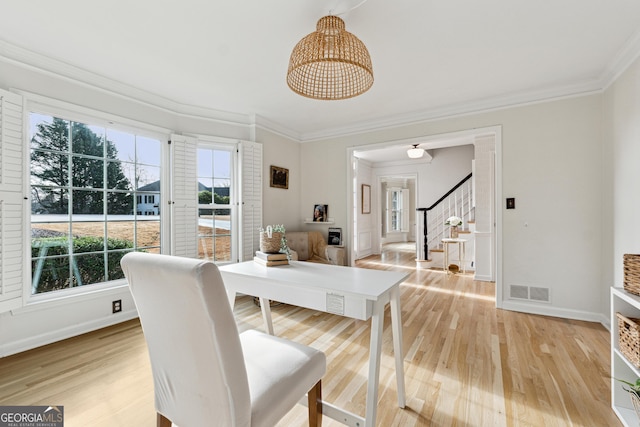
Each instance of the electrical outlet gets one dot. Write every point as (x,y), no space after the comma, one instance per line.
(116,306)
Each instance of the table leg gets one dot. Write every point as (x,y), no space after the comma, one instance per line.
(377,323)
(462,251)
(396,327)
(445,258)
(265,307)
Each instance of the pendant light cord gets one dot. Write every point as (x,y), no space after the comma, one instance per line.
(348,10)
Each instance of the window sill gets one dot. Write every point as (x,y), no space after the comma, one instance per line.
(69,296)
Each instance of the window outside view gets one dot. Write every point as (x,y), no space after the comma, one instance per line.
(214,204)
(95,195)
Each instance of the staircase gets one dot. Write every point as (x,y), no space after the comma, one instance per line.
(456,202)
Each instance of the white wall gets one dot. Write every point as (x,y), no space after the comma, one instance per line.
(551,164)
(280,206)
(621,198)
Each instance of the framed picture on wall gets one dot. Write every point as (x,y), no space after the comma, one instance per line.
(366,199)
(335,236)
(320,213)
(279,177)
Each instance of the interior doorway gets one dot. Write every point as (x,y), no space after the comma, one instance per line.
(486,143)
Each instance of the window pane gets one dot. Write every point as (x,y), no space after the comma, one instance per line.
(49,273)
(87,173)
(148,234)
(205,162)
(223,248)
(120,176)
(148,178)
(88,269)
(87,140)
(148,151)
(128,177)
(222,164)
(119,204)
(49,169)
(88,236)
(121,146)
(88,202)
(148,204)
(205,184)
(49,200)
(114,272)
(49,133)
(121,230)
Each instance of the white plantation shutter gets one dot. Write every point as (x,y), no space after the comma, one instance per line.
(12,201)
(184,196)
(250,198)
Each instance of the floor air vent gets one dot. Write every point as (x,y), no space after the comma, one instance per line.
(529,293)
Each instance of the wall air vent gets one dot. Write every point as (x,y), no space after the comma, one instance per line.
(529,293)
(539,294)
(519,292)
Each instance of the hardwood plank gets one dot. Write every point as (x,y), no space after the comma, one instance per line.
(466,363)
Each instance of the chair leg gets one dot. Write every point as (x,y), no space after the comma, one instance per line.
(315,405)
(162,421)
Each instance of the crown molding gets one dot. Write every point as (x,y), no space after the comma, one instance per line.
(623,59)
(52,67)
(583,88)
(262,122)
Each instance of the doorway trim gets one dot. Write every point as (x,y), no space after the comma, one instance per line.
(443,140)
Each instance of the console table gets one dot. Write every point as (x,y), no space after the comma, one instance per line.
(461,251)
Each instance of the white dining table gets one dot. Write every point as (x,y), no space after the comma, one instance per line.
(352,292)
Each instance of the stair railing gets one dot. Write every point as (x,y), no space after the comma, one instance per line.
(457,201)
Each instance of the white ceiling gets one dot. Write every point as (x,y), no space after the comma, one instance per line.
(431,57)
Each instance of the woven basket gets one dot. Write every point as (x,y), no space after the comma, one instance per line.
(629,338)
(632,273)
(270,245)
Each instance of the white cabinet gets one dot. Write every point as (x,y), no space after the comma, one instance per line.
(629,305)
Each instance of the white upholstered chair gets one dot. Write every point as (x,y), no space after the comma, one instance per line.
(204,372)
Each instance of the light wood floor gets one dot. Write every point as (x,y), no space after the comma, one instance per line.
(466,363)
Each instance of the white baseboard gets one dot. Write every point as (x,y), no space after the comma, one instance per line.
(29,343)
(565,313)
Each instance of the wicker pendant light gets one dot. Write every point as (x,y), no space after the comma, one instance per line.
(330,63)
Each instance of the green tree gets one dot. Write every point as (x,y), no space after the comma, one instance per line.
(50,157)
(204,197)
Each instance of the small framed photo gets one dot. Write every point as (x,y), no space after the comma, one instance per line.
(320,213)
(279,177)
(335,236)
(366,199)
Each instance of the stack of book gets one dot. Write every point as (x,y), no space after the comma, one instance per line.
(270,260)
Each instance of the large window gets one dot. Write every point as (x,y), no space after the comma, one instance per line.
(95,195)
(215,208)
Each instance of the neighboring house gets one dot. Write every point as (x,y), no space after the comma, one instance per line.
(149,204)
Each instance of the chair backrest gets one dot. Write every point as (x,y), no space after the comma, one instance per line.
(196,357)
